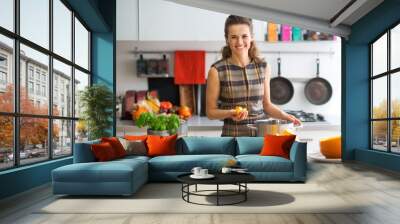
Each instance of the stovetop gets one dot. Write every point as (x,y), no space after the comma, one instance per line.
(306,117)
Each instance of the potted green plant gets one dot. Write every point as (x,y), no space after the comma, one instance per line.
(96,103)
(159,124)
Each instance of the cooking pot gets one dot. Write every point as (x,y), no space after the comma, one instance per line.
(272,126)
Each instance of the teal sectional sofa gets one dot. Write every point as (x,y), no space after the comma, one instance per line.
(125,176)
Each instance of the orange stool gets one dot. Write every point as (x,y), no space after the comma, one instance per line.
(331,147)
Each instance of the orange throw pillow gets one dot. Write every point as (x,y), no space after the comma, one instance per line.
(103,152)
(135,138)
(161,145)
(116,145)
(275,145)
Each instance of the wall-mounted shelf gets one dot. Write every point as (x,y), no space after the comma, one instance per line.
(155,76)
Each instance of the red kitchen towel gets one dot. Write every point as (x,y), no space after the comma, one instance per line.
(190,67)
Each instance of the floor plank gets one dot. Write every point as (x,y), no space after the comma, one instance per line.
(377,190)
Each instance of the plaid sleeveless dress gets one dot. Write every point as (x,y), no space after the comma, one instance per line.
(241,86)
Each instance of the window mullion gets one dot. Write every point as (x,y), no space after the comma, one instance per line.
(389,106)
(371,97)
(73,82)
(50,81)
(16,84)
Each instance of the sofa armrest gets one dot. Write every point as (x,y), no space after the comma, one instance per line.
(83,152)
(298,155)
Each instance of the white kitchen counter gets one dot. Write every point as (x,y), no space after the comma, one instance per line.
(311,132)
(204,123)
(197,123)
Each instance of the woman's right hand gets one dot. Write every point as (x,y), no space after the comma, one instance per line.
(238,116)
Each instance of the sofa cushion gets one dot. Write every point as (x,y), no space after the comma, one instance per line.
(197,145)
(112,171)
(103,152)
(134,147)
(132,158)
(277,145)
(257,163)
(116,145)
(161,145)
(249,145)
(83,152)
(185,163)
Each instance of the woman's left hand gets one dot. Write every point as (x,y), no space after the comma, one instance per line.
(293,119)
(239,116)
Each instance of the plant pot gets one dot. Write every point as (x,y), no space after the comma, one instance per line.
(160,133)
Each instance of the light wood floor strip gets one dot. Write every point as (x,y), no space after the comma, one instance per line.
(378,190)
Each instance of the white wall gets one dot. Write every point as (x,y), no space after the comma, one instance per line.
(159,20)
(127,20)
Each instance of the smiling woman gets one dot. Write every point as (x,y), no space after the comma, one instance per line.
(240,79)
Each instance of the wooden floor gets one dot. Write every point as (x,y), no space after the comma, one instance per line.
(378,189)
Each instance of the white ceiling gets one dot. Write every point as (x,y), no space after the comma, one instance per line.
(321,9)
(318,15)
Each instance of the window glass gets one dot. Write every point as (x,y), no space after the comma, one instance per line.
(395,95)
(379,98)
(395,136)
(39,62)
(7,14)
(379,55)
(6,142)
(62,29)
(395,47)
(33,139)
(62,91)
(81,45)
(379,135)
(6,74)
(81,131)
(62,138)
(34,21)
(81,81)
(34,81)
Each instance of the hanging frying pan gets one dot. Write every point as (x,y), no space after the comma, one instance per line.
(281,88)
(318,90)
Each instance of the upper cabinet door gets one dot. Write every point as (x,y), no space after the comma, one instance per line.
(167,21)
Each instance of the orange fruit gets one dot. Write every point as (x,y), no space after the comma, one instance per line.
(185,111)
(138,112)
(239,109)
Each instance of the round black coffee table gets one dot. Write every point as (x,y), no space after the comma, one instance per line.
(238,179)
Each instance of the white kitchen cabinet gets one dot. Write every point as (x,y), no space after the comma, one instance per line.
(167,21)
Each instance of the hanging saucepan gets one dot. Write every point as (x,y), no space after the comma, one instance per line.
(318,90)
(281,88)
